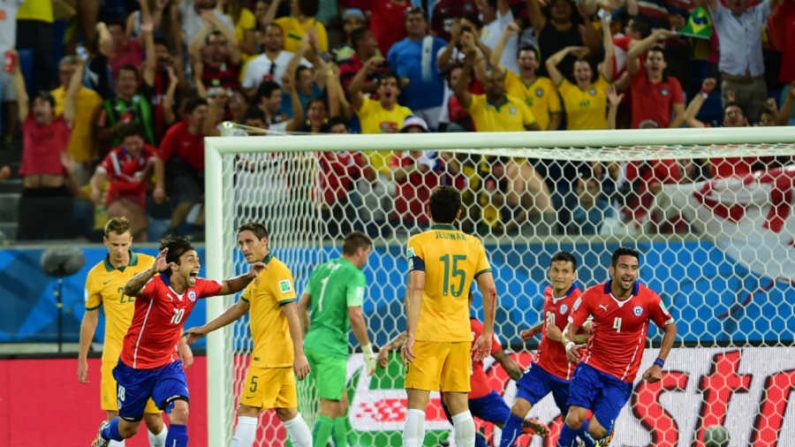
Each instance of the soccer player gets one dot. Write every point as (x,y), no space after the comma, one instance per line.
(335,293)
(552,372)
(148,366)
(278,354)
(104,285)
(621,310)
(443,262)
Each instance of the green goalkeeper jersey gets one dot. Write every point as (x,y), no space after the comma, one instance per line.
(334,287)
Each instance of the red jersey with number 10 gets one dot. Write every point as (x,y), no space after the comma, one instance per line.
(619,328)
(552,354)
(160,312)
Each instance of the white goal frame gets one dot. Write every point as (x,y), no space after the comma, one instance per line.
(217,364)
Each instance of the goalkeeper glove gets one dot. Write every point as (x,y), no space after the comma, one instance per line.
(370,359)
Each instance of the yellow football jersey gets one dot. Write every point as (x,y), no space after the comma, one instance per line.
(294,31)
(585,109)
(541,95)
(104,285)
(510,116)
(273,288)
(374,118)
(451,260)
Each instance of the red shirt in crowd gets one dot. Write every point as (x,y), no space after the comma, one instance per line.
(338,170)
(478,382)
(160,313)
(225,75)
(781,29)
(413,193)
(132,53)
(552,354)
(180,142)
(128,174)
(619,329)
(654,101)
(388,22)
(42,145)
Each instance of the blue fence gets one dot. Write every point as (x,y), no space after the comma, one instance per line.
(714,298)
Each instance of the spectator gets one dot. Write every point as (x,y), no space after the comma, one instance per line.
(272,64)
(366,47)
(454,118)
(182,149)
(129,169)
(447,12)
(781,31)
(739,28)
(164,78)
(98,76)
(592,207)
(497,15)
(309,81)
(383,115)
(34,21)
(163,15)
(352,20)
(269,100)
(538,92)
(557,29)
(494,111)
(124,51)
(656,96)
(128,106)
(8,38)
(82,145)
(245,25)
(414,60)
(585,101)
(195,14)
(217,63)
(301,21)
(384,24)
(45,208)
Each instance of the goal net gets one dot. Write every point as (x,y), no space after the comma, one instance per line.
(710,210)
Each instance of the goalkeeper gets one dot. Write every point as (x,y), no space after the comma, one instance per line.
(335,293)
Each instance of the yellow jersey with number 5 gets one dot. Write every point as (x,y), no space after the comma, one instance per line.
(104,285)
(451,260)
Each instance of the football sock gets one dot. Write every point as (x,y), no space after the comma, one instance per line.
(321,432)
(568,435)
(245,432)
(341,432)
(511,431)
(585,437)
(414,431)
(480,441)
(158,440)
(299,432)
(116,444)
(177,436)
(464,427)
(111,432)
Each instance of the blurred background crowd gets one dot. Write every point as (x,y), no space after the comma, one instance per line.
(106,103)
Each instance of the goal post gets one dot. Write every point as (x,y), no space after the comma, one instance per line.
(275,178)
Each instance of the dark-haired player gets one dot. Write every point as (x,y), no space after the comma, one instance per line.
(621,309)
(149,366)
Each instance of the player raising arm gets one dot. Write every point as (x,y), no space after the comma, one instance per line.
(104,285)
(278,354)
(552,372)
(621,310)
(148,366)
(335,293)
(443,262)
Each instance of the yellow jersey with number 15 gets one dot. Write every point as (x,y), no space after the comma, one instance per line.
(104,285)
(451,260)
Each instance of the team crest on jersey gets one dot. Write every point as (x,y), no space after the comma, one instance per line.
(192,295)
(285,286)
(563,309)
(540,92)
(512,110)
(637,310)
(592,91)
(664,91)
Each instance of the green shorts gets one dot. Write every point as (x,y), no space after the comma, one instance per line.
(329,374)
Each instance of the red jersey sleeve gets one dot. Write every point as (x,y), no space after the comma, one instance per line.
(207,287)
(580,310)
(496,346)
(150,289)
(658,313)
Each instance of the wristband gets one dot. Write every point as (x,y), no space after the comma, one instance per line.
(704,94)
(659,362)
(367,349)
(570,345)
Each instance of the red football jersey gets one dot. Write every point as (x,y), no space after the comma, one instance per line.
(127,174)
(478,382)
(551,353)
(160,313)
(619,328)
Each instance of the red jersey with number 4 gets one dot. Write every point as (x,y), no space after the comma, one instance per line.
(478,381)
(552,354)
(160,313)
(619,328)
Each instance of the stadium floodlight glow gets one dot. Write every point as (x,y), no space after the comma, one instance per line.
(719,251)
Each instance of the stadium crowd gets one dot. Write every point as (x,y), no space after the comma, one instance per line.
(114,98)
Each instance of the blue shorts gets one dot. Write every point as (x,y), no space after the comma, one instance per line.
(134,386)
(599,392)
(536,383)
(490,408)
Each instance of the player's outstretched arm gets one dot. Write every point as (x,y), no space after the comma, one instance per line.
(527,334)
(482,346)
(136,283)
(238,283)
(87,328)
(654,372)
(413,304)
(512,368)
(232,314)
(359,328)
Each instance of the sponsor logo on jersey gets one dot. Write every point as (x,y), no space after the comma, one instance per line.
(637,310)
(285,286)
(540,92)
(664,91)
